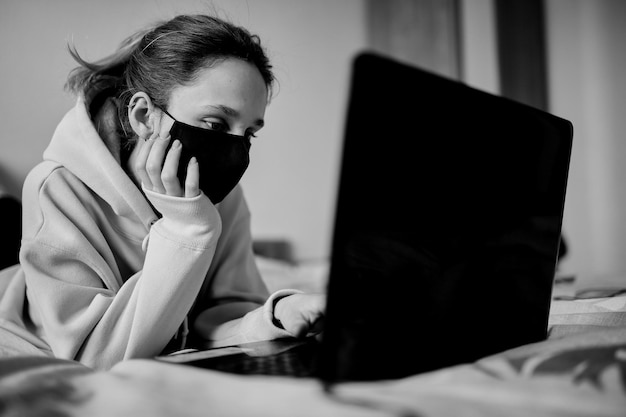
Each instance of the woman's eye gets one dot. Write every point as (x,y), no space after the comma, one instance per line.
(218,126)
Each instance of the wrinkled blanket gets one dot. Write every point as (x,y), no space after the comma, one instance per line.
(579,371)
(576,375)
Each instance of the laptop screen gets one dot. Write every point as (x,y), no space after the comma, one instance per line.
(447,226)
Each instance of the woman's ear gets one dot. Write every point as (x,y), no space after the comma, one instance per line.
(141,114)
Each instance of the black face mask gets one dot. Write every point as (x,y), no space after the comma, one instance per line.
(222,158)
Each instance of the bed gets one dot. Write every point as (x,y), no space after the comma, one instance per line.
(580,370)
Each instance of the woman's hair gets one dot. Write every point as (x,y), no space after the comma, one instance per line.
(161,58)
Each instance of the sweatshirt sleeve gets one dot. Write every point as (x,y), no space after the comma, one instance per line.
(84,308)
(234,305)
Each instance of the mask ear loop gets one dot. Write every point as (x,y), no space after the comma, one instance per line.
(166,112)
(171,117)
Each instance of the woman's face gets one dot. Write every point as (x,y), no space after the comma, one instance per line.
(230,96)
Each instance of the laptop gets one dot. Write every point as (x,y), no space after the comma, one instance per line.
(446,233)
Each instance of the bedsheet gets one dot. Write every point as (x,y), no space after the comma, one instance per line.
(579,371)
(576,375)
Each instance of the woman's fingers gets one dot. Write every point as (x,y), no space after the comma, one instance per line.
(192,181)
(154,163)
(301,314)
(169,174)
(157,168)
(140,162)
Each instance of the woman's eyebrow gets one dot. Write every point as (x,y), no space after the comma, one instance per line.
(229,111)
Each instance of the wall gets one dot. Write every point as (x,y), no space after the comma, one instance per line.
(587,71)
(479,60)
(586,85)
(422,33)
(290,184)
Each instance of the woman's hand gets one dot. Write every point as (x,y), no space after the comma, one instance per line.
(301,314)
(157,168)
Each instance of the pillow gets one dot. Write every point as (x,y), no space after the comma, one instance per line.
(581,315)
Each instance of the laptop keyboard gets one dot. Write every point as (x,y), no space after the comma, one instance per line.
(296,362)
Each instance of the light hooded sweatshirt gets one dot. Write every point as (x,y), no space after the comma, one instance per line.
(104,278)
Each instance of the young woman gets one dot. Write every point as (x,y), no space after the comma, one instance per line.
(136,236)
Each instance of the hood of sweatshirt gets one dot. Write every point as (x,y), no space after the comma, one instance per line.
(90,149)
